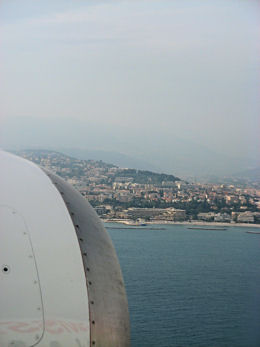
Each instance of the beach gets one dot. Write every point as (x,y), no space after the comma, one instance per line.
(192,223)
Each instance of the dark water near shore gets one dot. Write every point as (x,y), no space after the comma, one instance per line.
(191,287)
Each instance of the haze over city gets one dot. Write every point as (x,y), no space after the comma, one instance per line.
(130,173)
(167,85)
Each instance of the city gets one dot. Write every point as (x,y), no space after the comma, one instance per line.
(136,196)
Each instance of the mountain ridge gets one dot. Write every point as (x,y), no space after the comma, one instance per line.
(141,176)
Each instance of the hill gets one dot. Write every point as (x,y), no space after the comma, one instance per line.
(84,170)
(253,173)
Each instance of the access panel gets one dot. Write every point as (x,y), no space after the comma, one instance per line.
(21,309)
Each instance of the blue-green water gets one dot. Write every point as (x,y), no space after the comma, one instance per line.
(191,287)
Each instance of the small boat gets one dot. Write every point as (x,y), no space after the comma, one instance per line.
(253,232)
(134,228)
(203,228)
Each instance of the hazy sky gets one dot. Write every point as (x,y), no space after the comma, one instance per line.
(169,68)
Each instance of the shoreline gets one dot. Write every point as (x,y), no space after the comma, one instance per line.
(193,223)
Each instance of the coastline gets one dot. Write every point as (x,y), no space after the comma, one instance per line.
(193,223)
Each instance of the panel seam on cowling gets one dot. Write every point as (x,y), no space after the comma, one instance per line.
(83,254)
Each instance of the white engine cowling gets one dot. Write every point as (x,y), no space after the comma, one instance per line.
(61,284)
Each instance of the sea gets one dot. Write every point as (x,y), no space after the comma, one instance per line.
(190,287)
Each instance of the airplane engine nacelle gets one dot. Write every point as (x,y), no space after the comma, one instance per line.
(61,284)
